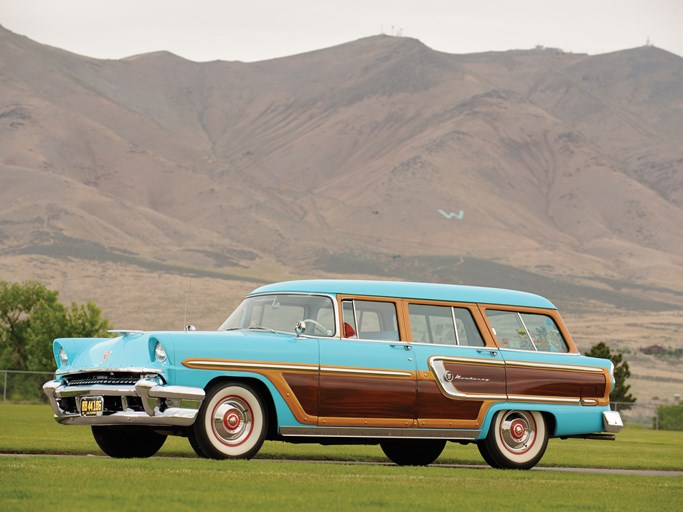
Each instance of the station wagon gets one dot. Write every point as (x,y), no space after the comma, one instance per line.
(406,366)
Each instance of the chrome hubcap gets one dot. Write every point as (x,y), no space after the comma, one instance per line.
(518,431)
(232,421)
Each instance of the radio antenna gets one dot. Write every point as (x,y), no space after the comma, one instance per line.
(187,300)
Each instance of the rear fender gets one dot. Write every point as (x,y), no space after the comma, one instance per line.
(562,420)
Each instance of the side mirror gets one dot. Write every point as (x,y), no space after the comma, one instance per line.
(300,328)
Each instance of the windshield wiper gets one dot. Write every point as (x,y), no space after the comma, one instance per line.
(261,328)
(251,327)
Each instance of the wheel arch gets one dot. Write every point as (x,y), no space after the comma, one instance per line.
(264,393)
(548,416)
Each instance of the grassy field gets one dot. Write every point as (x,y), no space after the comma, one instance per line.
(89,483)
(36,482)
(31,429)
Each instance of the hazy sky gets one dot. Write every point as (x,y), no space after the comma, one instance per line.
(252,30)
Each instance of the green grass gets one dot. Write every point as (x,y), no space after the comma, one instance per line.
(92,483)
(31,429)
(89,483)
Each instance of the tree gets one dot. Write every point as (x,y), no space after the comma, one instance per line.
(621,373)
(669,417)
(31,316)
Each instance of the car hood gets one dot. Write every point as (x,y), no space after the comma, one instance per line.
(134,350)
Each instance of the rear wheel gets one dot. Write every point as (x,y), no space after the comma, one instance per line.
(128,442)
(231,423)
(413,452)
(516,440)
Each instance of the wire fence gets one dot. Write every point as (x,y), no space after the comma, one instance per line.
(658,416)
(25,386)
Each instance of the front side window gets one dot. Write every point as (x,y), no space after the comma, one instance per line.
(526,331)
(282,312)
(369,319)
(444,325)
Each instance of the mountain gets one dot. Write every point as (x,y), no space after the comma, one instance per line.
(165,189)
(376,157)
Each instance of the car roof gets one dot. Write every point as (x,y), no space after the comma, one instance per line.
(401,289)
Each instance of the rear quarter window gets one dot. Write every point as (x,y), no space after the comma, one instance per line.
(526,331)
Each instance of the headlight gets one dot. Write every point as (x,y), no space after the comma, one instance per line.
(159,353)
(63,358)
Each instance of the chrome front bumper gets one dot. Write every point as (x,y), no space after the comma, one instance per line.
(154,404)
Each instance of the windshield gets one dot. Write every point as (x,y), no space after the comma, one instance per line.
(281,313)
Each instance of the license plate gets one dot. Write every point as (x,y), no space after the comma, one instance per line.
(92,406)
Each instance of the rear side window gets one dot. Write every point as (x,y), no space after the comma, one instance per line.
(443,325)
(526,331)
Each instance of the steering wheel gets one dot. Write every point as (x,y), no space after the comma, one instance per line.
(317,325)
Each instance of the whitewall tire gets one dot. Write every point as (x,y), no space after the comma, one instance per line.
(516,440)
(232,422)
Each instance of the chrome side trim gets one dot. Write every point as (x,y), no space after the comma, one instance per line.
(247,365)
(545,399)
(471,360)
(381,433)
(554,366)
(207,364)
(448,387)
(356,371)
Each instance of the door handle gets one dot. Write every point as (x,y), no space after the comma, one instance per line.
(492,353)
(406,346)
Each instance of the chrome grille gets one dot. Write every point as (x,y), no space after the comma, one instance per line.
(105,379)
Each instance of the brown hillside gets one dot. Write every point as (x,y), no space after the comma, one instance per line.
(567,166)
(130,181)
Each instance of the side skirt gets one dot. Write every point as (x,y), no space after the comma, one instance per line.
(381,433)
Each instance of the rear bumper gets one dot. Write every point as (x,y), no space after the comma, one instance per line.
(147,402)
(612,421)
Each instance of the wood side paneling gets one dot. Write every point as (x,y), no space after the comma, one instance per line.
(433,404)
(365,397)
(305,389)
(550,382)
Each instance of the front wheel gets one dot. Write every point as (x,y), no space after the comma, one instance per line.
(412,452)
(516,440)
(128,442)
(231,423)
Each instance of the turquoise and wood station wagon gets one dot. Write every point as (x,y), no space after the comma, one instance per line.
(408,366)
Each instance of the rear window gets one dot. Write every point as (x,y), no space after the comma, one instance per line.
(526,331)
